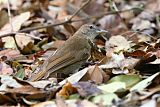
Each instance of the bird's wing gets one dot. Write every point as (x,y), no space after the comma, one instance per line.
(61,61)
(57,62)
(66,59)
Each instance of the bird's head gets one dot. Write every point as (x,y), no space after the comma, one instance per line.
(90,31)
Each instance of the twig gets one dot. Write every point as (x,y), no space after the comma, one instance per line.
(14,37)
(64,22)
(84,5)
(10,22)
(103,14)
(116,9)
(137,32)
(9,15)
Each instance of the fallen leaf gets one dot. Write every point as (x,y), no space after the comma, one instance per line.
(94,74)
(143,38)
(9,42)
(129,80)
(14,3)
(5,69)
(22,40)
(86,89)
(113,61)
(4,99)
(136,53)
(9,81)
(17,22)
(3,17)
(40,84)
(71,29)
(144,83)
(119,43)
(112,87)
(45,104)
(86,103)
(142,24)
(60,102)
(75,77)
(157,61)
(105,99)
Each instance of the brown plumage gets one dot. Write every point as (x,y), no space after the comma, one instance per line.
(70,57)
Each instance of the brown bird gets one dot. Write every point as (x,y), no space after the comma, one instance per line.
(72,55)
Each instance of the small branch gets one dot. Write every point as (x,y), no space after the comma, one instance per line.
(9,15)
(137,32)
(84,5)
(112,3)
(14,37)
(68,21)
(10,22)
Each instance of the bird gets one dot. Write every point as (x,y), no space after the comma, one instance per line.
(71,55)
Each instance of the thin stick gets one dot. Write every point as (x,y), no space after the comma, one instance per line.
(61,23)
(14,37)
(116,9)
(10,21)
(9,15)
(84,5)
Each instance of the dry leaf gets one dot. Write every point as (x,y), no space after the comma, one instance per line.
(40,84)
(87,89)
(60,102)
(70,28)
(118,42)
(45,104)
(75,77)
(5,69)
(22,40)
(94,74)
(9,42)
(10,53)
(17,22)
(86,103)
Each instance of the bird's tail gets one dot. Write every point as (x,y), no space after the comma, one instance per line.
(37,76)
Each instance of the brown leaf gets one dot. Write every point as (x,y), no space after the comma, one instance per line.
(3,17)
(22,40)
(118,43)
(5,69)
(71,29)
(4,99)
(158,53)
(87,88)
(137,54)
(96,55)
(95,74)
(17,22)
(1,43)
(10,53)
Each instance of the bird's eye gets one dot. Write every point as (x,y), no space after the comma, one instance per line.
(91,27)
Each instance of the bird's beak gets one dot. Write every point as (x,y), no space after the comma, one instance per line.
(102,32)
